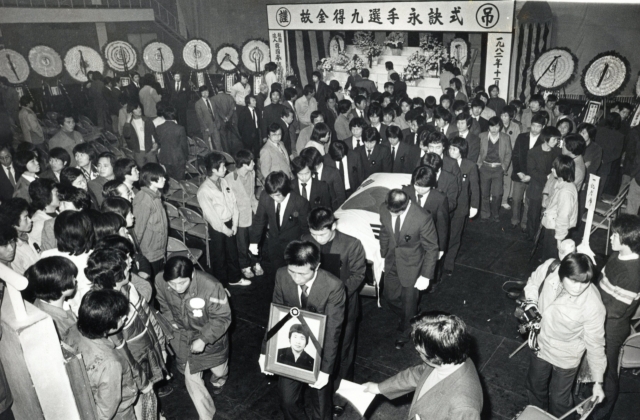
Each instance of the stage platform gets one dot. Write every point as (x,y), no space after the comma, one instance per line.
(378,73)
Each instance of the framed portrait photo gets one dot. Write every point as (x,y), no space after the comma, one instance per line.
(295,347)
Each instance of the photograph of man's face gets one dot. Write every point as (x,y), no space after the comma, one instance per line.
(298,342)
(296,350)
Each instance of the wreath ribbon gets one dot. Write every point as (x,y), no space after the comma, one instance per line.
(293,313)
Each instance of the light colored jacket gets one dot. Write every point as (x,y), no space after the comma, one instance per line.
(570,324)
(152,226)
(274,158)
(504,149)
(149,98)
(304,108)
(218,205)
(31,130)
(244,190)
(561,213)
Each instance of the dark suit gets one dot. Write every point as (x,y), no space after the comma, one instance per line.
(456,397)
(249,133)
(326,297)
(354,171)
(322,91)
(286,135)
(354,114)
(272,114)
(406,160)
(330,117)
(519,161)
(367,85)
(379,161)
(410,138)
(180,100)
(174,148)
(319,195)
(332,177)
(6,187)
(286,357)
(469,197)
(474,145)
(484,124)
(448,185)
(131,138)
(132,91)
(294,224)
(436,205)
(414,255)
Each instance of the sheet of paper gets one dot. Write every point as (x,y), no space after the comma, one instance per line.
(355,394)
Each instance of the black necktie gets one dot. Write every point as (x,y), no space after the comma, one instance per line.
(177,86)
(253,115)
(359,142)
(12,178)
(210,109)
(397,230)
(369,154)
(304,191)
(420,199)
(304,296)
(278,215)
(341,169)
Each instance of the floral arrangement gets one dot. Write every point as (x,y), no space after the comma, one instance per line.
(434,51)
(415,67)
(365,43)
(342,61)
(394,40)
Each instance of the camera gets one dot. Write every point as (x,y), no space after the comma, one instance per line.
(529,318)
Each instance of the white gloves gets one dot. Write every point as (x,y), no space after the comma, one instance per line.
(440,254)
(422,283)
(253,248)
(261,362)
(472,212)
(323,379)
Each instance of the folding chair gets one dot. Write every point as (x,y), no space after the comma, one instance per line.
(199,229)
(175,192)
(202,148)
(176,220)
(190,190)
(605,214)
(630,354)
(177,248)
(85,121)
(100,148)
(111,138)
(534,413)
(116,151)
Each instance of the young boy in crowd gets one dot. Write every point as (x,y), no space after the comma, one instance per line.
(356,127)
(303,184)
(619,288)
(200,330)
(495,101)
(106,160)
(152,226)
(376,156)
(536,103)
(463,124)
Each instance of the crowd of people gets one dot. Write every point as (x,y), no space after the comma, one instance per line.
(90,231)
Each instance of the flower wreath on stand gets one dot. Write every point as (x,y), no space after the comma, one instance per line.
(342,62)
(415,67)
(434,51)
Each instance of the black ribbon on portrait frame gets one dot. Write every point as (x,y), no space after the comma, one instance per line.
(294,313)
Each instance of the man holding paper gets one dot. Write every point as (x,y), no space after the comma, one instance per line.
(446,386)
(303,284)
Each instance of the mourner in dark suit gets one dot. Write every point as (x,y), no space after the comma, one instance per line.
(322,89)
(348,164)
(436,142)
(404,156)
(409,245)
(519,176)
(284,213)
(446,183)
(179,98)
(463,124)
(477,106)
(456,394)
(303,184)
(295,355)
(272,113)
(343,253)
(209,125)
(468,201)
(286,125)
(360,109)
(423,192)
(328,174)
(133,88)
(7,174)
(357,127)
(143,151)
(249,122)
(173,144)
(303,284)
(375,156)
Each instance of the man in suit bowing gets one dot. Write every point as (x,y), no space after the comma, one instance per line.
(345,255)
(423,192)
(303,284)
(446,386)
(316,192)
(348,164)
(404,156)
(285,215)
(376,157)
(409,245)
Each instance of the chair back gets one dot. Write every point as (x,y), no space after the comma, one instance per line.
(189,188)
(175,245)
(630,353)
(192,216)
(172,211)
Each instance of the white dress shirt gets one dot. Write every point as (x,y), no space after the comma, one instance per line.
(309,284)
(354,142)
(283,207)
(439,374)
(423,199)
(138,125)
(402,217)
(307,186)
(345,165)
(11,173)
(532,140)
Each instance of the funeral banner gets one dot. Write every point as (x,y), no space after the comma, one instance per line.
(498,61)
(278,52)
(438,16)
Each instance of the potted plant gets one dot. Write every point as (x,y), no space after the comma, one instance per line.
(395,41)
(414,70)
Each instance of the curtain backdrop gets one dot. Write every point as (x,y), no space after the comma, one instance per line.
(305,49)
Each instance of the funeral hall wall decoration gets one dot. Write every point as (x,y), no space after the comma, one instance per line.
(158,57)
(228,58)
(80,60)
(605,75)
(13,66)
(121,56)
(255,53)
(554,68)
